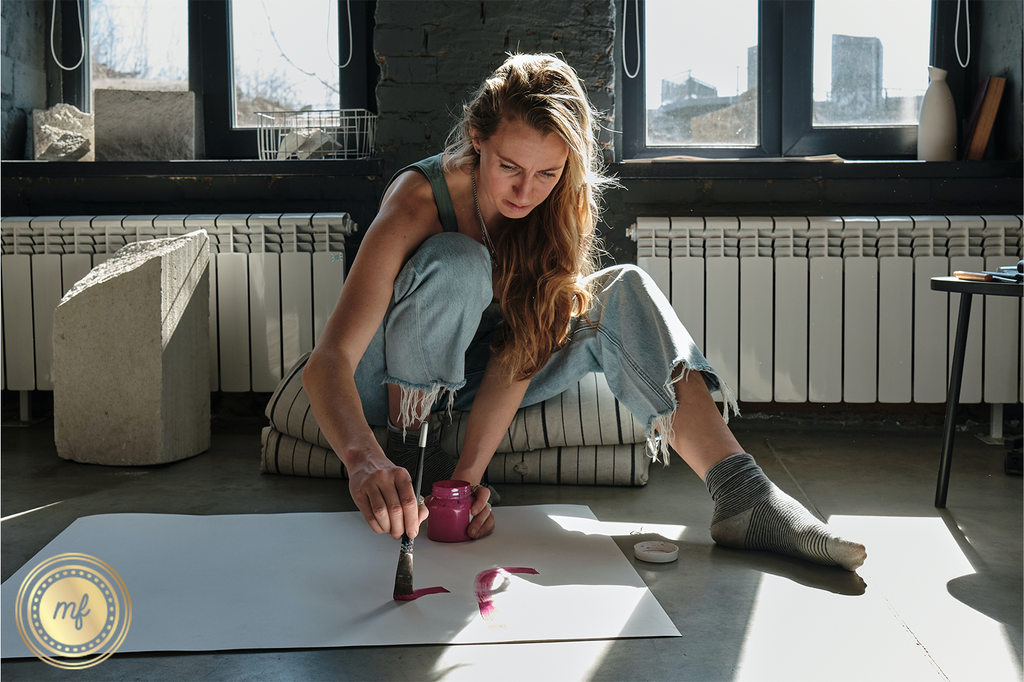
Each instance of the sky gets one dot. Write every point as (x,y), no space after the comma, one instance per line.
(164,33)
(295,38)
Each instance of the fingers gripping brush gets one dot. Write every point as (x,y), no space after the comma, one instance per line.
(403,577)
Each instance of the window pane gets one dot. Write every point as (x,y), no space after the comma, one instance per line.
(701,67)
(139,44)
(870,61)
(284,55)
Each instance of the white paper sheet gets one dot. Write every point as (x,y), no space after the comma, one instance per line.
(272,581)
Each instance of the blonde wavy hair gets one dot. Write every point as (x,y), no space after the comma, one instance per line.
(542,264)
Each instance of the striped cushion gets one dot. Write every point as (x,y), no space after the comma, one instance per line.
(622,464)
(289,411)
(283,454)
(581,437)
(586,415)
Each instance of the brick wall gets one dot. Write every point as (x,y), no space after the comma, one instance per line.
(433,55)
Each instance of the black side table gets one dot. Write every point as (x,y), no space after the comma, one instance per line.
(966,289)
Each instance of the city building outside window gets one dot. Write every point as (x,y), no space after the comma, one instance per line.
(869,61)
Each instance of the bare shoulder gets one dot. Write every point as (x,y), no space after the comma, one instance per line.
(407,217)
(409,204)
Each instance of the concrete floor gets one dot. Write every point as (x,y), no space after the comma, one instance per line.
(940,597)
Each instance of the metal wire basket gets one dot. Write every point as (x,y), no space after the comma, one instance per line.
(335,134)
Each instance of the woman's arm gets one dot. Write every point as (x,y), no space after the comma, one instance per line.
(493,409)
(382,491)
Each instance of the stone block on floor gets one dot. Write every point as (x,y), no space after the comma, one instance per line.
(131,352)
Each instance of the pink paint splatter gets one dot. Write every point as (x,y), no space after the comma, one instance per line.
(416,594)
(484,585)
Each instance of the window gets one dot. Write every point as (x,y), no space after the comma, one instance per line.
(272,54)
(284,57)
(769,78)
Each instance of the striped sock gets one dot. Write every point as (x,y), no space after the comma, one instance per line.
(752,513)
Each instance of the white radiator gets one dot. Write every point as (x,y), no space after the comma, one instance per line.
(839,309)
(274,280)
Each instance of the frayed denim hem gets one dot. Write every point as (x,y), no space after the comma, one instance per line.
(418,400)
(660,431)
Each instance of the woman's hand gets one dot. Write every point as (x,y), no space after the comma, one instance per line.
(384,494)
(483,519)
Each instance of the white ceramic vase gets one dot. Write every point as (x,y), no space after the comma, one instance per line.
(936,130)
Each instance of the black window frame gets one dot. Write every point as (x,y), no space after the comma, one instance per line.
(785,92)
(70,86)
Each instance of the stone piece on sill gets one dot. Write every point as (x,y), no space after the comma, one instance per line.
(144,125)
(62,133)
(308,143)
(131,353)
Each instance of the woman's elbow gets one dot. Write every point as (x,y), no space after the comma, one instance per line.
(311,370)
(324,365)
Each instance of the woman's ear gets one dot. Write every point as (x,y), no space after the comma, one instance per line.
(475,138)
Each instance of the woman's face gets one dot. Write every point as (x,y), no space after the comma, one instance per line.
(519,166)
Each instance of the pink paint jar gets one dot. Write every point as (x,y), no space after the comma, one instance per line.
(449,511)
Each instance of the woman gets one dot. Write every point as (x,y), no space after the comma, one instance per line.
(475,288)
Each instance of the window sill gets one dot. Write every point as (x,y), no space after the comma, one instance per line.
(202,168)
(816,170)
(660,170)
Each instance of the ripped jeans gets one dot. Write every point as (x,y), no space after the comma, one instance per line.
(436,337)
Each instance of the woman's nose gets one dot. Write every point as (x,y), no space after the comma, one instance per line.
(522,189)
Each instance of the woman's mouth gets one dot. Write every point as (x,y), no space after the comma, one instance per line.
(516,207)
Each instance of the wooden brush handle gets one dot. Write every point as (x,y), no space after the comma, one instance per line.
(973,276)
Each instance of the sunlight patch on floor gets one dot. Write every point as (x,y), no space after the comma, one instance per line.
(796,632)
(611,528)
(911,561)
(29,511)
(906,624)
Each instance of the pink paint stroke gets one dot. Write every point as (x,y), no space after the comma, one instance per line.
(416,594)
(484,584)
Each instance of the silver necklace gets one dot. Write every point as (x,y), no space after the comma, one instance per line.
(483,226)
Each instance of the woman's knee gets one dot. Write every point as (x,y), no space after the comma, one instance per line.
(447,264)
(625,277)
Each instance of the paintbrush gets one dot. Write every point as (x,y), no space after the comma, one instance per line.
(403,577)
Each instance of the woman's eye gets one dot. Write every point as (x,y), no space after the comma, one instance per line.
(507,167)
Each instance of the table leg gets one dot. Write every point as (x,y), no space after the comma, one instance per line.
(956,372)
